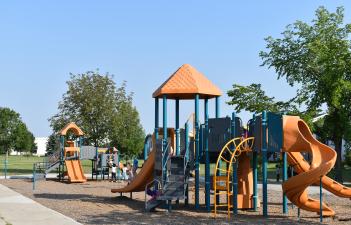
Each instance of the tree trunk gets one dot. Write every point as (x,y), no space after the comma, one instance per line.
(338,165)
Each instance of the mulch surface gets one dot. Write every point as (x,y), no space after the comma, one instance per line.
(93,203)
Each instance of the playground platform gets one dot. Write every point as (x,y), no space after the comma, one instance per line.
(18,209)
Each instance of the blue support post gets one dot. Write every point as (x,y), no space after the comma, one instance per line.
(320,200)
(285,178)
(61,167)
(220,163)
(145,151)
(197,174)
(5,163)
(165,140)
(235,170)
(298,213)
(177,127)
(187,159)
(96,162)
(164,127)
(235,188)
(264,164)
(156,118)
(118,169)
(254,165)
(207,164)
(34,176)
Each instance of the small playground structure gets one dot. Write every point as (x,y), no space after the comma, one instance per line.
(67,160)
(172,154)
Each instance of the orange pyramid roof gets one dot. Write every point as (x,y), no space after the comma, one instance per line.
(185,83)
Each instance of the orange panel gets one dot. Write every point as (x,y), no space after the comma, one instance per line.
(75,171)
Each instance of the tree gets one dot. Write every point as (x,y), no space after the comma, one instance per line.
(128,134)
(253,99)
(104,112)
(24,140)
(316,57)
(14,134)
(53,144)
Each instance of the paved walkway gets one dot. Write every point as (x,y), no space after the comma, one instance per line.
(17,209)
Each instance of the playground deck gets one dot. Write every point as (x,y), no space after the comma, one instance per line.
(93,203)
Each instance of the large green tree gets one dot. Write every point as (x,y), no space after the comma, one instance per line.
(14,134)
(316,58)
(103,111)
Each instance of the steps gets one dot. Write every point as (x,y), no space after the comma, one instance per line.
(174,189)
(173,178)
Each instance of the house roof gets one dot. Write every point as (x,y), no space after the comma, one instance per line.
(185,83)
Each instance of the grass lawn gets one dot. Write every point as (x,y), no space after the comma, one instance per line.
(18,165)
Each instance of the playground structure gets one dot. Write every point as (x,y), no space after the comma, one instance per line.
(67,160)
(224,142)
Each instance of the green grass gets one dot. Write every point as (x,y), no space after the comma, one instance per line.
(19,164)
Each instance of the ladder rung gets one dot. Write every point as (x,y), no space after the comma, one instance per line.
(221,193)
(223,170)
(224,159)
(229,150)
(221,205)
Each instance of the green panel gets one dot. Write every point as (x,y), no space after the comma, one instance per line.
(275,132)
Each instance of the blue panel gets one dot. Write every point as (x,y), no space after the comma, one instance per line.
(275,132)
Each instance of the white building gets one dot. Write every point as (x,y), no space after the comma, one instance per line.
(41,144)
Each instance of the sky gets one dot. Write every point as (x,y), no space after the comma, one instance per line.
(142,43)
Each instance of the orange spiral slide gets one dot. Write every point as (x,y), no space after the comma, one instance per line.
(298,138)
(296,160)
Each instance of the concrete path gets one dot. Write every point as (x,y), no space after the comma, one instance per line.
(17,209)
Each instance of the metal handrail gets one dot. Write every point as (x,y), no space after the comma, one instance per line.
(146,187)
(165,154)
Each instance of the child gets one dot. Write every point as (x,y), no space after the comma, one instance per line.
(135,166)
(153,193)
(130,172)
(113,173)
(124,173)
(277,172)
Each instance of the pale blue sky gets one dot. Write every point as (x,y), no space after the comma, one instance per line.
(142,42)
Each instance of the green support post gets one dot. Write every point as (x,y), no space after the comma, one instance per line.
(34,174)
(235,170)
(62,166)
(177,127)
(177,150)
(264,164)
(207,164)
(285,178)
(156,118)
(165,140)
(298,213)
(197,174)
(5,164)
(220,163)
(254,165)
(187,158)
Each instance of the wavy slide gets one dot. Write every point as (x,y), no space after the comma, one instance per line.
(145,176)
(300,165)
(298,138)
